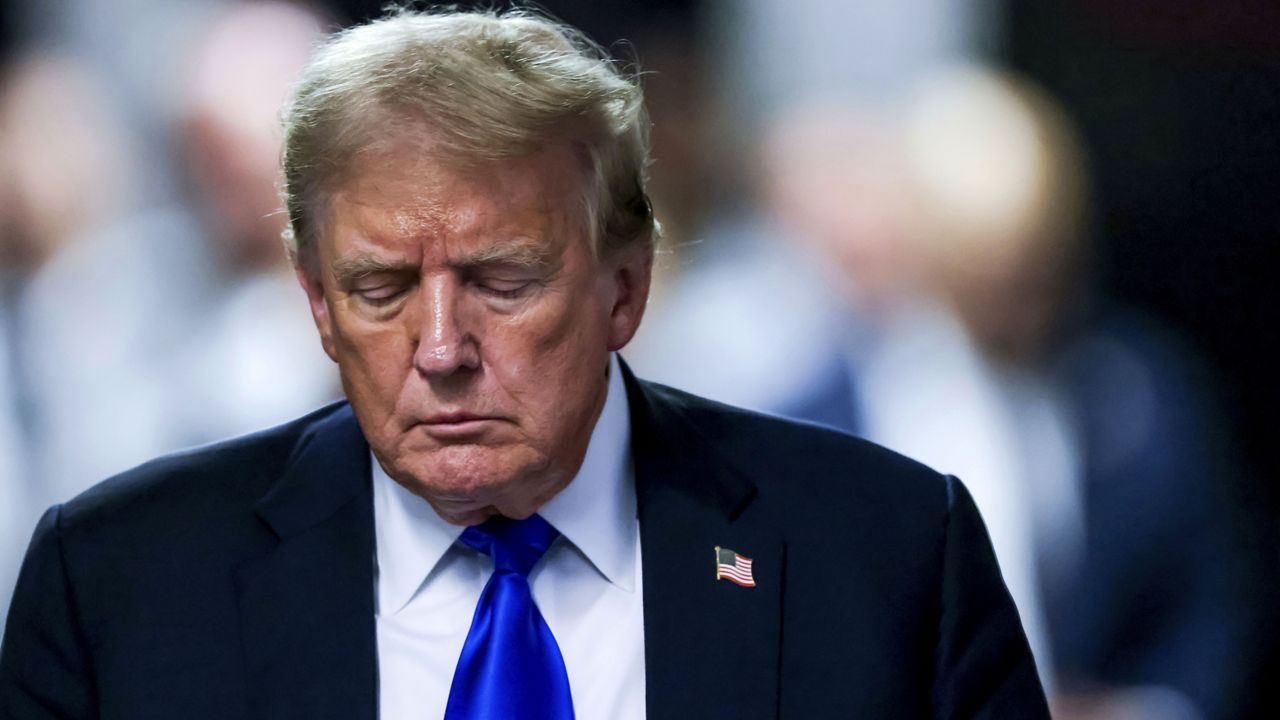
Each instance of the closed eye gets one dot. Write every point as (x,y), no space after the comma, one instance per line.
(381,295)
(505,289)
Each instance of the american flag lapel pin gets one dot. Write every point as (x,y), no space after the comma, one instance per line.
(733,567)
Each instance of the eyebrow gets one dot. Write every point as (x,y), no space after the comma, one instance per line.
(346,269)
(519,253)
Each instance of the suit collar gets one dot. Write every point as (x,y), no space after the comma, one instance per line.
(673,453)
(306,605)
(711,647)
(328,467)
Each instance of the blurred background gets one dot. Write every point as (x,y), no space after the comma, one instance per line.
(1029,243)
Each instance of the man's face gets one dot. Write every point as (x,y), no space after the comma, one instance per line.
(472,323)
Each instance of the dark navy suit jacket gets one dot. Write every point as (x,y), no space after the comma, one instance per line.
(237,581)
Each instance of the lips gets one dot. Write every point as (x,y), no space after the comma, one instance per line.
(457,425)
(454,418)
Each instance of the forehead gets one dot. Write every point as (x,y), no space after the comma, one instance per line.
(405,192)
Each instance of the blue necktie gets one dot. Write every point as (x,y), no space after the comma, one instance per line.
(510,667)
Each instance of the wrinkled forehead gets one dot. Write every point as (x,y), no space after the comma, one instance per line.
(407,188)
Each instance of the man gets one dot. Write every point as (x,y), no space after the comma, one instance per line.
(503,521)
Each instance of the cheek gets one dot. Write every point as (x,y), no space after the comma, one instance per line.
(372,361)
(542,358)
(564,325)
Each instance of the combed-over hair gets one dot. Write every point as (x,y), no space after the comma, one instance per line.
(488,85)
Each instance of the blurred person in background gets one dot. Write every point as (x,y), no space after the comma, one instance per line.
(180,324)
(1128,459)
(60,175)
(1089,435)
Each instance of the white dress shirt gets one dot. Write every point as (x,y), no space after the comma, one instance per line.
(587,586)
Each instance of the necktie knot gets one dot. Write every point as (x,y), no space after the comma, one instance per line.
(515,545)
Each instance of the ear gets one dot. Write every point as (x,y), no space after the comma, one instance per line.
(314,287)
(631,274)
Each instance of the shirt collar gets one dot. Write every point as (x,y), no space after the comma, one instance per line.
(411,539)
(596,512)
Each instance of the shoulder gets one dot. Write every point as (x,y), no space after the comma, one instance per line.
(189,489)
(806,469)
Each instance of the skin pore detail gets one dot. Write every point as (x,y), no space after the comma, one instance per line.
(467,312)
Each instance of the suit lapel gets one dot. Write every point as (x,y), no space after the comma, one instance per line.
(711,646)
(307,606)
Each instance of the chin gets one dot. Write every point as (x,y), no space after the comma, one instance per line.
(463,479)
(464,516)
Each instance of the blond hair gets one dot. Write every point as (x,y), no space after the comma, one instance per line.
(488,86)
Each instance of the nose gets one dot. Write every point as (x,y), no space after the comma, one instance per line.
(444,345)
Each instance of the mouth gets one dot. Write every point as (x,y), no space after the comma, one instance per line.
(457,425)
